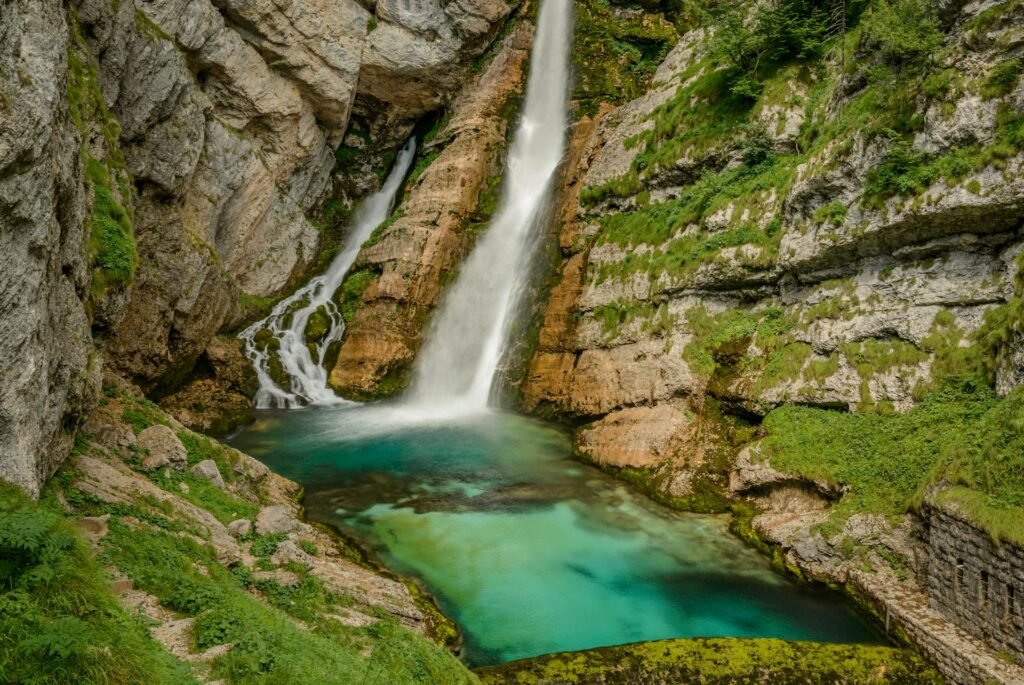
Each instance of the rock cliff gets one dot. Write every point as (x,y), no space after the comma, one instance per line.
(758,250)
(407,262)
(164,165)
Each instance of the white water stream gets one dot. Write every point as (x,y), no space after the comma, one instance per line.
(456,368)
(287,321)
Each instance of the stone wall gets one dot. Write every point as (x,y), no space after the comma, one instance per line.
(976,582)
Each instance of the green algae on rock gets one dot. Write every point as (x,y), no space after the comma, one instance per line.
(722,661)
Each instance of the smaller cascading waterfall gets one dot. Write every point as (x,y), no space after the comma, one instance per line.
(456,369)
(288,320)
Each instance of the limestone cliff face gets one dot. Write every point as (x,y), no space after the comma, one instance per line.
(752,270)
(159,160)
(48,372)
(412,259)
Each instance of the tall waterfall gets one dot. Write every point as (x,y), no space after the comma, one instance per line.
(287,321)
(457,366)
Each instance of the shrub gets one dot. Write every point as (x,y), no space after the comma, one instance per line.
(904,31)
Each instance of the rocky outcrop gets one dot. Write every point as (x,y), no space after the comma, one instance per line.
(734,265)
(218,395)
(413,257)
(207,132)
(895,567)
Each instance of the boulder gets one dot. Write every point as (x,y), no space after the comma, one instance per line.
(207,470)
(289,552)
(240,527)
(164,448)
(278,520)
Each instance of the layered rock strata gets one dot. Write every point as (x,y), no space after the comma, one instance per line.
(411,259)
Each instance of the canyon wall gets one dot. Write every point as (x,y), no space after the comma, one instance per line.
(163,166)
(750,252)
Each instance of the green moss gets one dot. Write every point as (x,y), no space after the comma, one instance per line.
(351,291)
(111,242)
(318,325)
(59,620)
(615,54)
(111,245)
(149,28)
(720,661)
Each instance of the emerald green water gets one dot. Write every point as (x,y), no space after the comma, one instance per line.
(529,551)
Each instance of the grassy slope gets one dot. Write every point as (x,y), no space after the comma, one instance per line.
(61,621)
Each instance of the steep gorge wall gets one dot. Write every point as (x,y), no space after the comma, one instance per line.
(160,162)
(749,259)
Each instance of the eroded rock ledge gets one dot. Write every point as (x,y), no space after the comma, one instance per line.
(931,579)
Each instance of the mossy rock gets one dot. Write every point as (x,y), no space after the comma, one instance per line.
(720,661)
(318,324)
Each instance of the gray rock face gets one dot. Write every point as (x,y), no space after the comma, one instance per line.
(278,520)
(240,527)
(416,54)
(164,448)
(49,373)
(229,113)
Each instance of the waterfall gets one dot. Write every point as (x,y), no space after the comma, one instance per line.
(467,338)
(287,322)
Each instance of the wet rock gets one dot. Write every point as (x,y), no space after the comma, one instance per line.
(427,241)
(164,448)
(207,470)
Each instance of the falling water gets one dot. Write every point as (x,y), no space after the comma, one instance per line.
(457,366)
(287,324)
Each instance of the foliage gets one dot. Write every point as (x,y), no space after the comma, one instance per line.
(59,620)
(112,248)
(1001,79)
(615,54)
(752,46)
(902,31)
(960,434)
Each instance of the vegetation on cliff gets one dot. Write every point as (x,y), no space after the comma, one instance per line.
(959,435)
(109,226)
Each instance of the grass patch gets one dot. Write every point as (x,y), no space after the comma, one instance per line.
(59,620)
(959,434)
(269,648)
